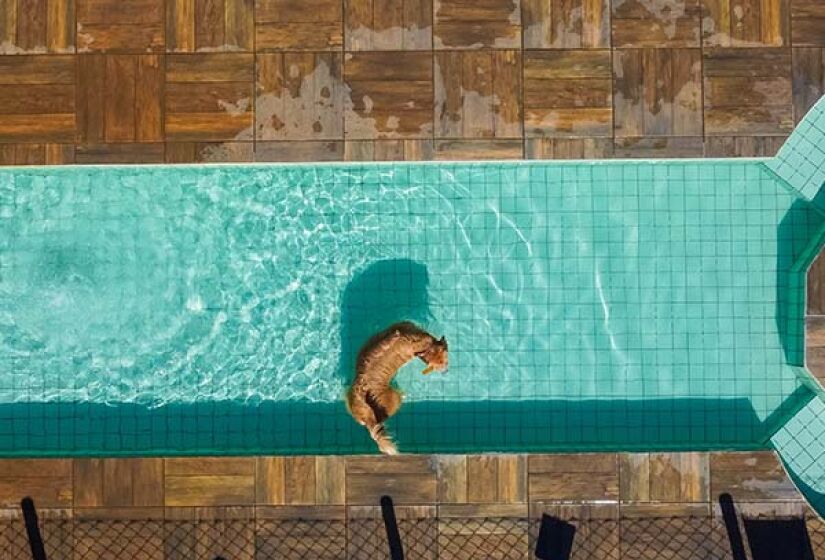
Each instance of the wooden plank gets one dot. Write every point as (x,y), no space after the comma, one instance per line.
(8,23)
(47,69)
(119,153)
(36,98)
(31,24)
(192,466)
(452,478)
(299,480)
(88,482)
(212,67)
(47,482)
(750,476)
(309,11)
(206,127)
(482,478)
(57,154)
(119,98)
(120,37)
(512,479)
(60,25)
(568,148)
(588,122)
(117,483)
(180,25)
(653,147)
(91,75)
(299,151)
(147,482)
(210,24)
(239,32)
(148,98)
(507,92)
(270,481)
(808,79)
(330,480)
(209,490)
(298,36)
(217,97)
(57,128)
(473,149)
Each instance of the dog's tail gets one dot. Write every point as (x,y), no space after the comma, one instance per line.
(385,443)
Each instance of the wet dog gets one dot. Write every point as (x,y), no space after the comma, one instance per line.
(371,399)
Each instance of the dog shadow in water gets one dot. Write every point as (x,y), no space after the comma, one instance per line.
(384,293)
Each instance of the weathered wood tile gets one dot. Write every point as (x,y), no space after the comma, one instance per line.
(208,97)
(563,24)
(312,150)
(657,92)
(36,154)
(656,23)
(209,152)
(306,25)
(808,23)
(485,479)
(568,148)
(366,540)
(408,479)
(330,480)
(747,91)
(389,150)
(754,476)
(808,79)
(585,476)
(120,25)
(119,98)
(299,96)
(567,93)
(47,481)
(211,481)
(118,482)
(745,23)
(472,25)
(658,147)
(209,25)
(301,532)
(37,99)
(478,94)
(375,25)
(37,26)
(743,146)
(389,95)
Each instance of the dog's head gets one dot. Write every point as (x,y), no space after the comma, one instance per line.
(435,356)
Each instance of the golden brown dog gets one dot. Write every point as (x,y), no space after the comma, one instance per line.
(371,399)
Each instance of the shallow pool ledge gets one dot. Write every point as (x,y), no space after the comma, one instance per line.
(800,441)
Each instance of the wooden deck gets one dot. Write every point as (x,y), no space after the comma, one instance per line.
(659,505)
(115,81)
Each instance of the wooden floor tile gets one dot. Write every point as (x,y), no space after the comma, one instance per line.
(568,148)
(657,92)
(562,24)
(120,25)
(209,25)
(747,91)
(376,25)
(37,26)
(567,93)
(656,23)
(492,23)
(36,154)
(754,476)
(808,23)
(808,78)
(47,481)
(299,96)
(389,95)
(209,481)
(408,479)
(451,150)
(389,150)
(745,23)
(584,476)
(478,94)
(119,98)
(37,99)
(306,25)
(209,97)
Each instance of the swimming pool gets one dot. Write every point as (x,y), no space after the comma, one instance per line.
(588,305)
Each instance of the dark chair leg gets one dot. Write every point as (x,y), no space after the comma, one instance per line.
(391,525)
(737,545)
(33,529)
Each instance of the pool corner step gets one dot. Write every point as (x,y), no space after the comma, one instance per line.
(800,443)
(801,160)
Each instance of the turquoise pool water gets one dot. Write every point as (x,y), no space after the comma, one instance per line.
(589,305)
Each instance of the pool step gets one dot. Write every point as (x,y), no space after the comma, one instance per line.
(801,447)
(801,161)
